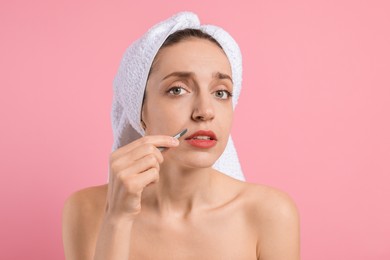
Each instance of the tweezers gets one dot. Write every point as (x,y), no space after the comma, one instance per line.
(177,136)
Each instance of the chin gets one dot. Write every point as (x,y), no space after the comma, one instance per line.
(199,164)
(198,159)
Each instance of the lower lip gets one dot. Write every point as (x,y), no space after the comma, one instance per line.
(202,143)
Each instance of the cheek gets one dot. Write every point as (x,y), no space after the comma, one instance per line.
(168,110)
(166,116)
(225,114)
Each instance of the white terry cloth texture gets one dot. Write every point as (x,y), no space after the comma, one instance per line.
(130,82)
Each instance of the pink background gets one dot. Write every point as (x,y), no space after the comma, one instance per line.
(312,120)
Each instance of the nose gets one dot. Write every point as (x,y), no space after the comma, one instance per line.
(203,108)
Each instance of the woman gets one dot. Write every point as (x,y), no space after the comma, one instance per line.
(173,204)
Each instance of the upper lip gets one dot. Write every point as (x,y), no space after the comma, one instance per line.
(203,133)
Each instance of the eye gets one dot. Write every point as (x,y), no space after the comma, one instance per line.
(223,94)
(176,91)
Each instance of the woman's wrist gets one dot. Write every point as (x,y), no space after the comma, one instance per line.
(114,238)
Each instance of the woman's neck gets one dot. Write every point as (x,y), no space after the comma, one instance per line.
(180,191)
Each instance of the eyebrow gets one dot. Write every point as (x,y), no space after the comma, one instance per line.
(187,74)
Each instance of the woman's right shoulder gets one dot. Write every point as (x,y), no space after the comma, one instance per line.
(87,199)
(81,216)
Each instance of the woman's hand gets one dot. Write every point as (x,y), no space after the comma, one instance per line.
(132,168)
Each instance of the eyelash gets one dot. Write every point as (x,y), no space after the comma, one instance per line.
(224,90)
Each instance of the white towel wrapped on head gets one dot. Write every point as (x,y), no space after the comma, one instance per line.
(130,82)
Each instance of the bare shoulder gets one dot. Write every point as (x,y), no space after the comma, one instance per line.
(81,218)
(275,217)
(268,202)
(87,198)
(272,203)
(82,205)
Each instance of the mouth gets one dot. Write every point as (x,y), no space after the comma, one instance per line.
(202,135)
(202,139)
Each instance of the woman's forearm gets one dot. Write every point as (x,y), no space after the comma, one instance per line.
(114,239)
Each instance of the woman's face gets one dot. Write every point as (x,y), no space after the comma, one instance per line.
(189,87)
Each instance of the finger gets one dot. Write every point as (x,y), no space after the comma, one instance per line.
(109,191)
(156,140)
(143,150)
(124,160)
(141,165)
(136,183)
(148,177)
(111,180)
(128,160)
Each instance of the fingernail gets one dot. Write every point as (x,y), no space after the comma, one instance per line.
(175,141)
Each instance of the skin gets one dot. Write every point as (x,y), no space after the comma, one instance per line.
(172,204)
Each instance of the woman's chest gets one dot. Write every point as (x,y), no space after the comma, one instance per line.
(229,237)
